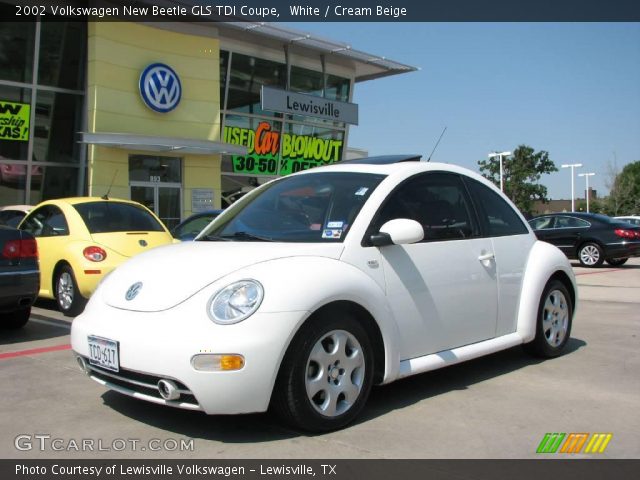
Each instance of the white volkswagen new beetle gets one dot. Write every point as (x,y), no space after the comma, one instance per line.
(318,285)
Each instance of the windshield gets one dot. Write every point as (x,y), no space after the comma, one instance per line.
(314,207)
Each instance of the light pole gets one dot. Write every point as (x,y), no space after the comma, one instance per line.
(572,166)
(500,155)
(588,193)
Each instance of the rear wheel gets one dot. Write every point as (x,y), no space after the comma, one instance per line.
(15,319)
(616,262)
(553,326)
(68,297)
(590,255)
(326,376)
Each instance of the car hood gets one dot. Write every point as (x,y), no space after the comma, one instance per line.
(169,275)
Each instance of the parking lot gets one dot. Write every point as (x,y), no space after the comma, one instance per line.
(499,406)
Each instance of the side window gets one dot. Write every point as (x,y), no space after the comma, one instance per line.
(542,223)
(47,221)
(571,222)
(498,216)
(437,201)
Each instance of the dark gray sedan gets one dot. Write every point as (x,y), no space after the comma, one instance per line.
(19,276)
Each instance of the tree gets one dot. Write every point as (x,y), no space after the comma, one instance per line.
(624,193)
(521,175)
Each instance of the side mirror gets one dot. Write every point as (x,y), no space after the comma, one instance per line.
(400,231)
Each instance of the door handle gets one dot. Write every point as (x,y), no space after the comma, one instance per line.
(486,256)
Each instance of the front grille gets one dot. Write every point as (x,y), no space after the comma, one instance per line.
(142,383)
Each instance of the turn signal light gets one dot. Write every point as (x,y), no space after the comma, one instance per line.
(94,254)
(209,362)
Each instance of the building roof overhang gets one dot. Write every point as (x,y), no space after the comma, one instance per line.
(151,143)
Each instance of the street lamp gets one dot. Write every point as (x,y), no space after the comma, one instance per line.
(586,177)
(500,155)
(572,166)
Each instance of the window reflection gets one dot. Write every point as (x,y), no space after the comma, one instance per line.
(58,117)
(16,47)
(62,54)
(248,75)
(13,179)
(53,182)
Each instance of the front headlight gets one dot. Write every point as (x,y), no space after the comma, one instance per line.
(235,302)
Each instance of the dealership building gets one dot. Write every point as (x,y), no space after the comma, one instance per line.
(180,116)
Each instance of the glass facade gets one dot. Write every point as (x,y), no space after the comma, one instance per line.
(277,144)
(42,68)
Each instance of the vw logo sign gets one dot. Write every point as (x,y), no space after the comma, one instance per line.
(133,291)
(160,87)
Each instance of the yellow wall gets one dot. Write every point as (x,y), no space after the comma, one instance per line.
(117,55)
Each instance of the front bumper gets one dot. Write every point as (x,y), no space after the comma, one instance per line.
(161,345)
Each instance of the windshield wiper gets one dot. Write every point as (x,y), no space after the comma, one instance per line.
(245,236)
(214,238)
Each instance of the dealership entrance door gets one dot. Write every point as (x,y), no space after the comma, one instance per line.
(156,182)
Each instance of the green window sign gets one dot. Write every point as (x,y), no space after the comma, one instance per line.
(14,121)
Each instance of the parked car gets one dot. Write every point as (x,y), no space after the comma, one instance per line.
(19,276)
(632,219)
(592,238)
(82,239)
(188,229)
(315,286)
(12,215)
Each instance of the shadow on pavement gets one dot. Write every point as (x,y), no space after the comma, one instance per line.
(34,331)
(266,427)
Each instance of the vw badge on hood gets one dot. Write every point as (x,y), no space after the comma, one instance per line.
(143,243)
(133,291)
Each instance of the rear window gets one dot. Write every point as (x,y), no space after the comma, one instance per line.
(108,216)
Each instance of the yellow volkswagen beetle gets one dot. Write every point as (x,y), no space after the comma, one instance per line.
(82,239)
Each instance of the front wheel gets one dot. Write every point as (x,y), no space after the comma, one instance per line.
(553,326)
(590,255)
(326,376)
(617,262)
(68,297)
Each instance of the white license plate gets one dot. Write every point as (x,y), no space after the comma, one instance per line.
(103,353)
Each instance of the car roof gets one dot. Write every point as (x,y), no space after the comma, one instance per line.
(79,200)
(402,168)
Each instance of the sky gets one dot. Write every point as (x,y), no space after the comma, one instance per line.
(572,89)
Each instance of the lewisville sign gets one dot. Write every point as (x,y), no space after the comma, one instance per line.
(284,101)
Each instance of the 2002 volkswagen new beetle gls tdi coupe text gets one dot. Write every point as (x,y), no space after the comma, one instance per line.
(316,286)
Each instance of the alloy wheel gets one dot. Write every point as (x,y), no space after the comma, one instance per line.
(555,318)
(589,255)
(65,290)
(335,373)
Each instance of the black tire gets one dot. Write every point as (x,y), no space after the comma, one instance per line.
(617,262)
(290,399)
(69,299)
(590,255)
(555,307)
(16,319)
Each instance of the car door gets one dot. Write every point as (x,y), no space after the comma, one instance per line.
(511,243)
(49,225)
(566,233)
(443,290)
